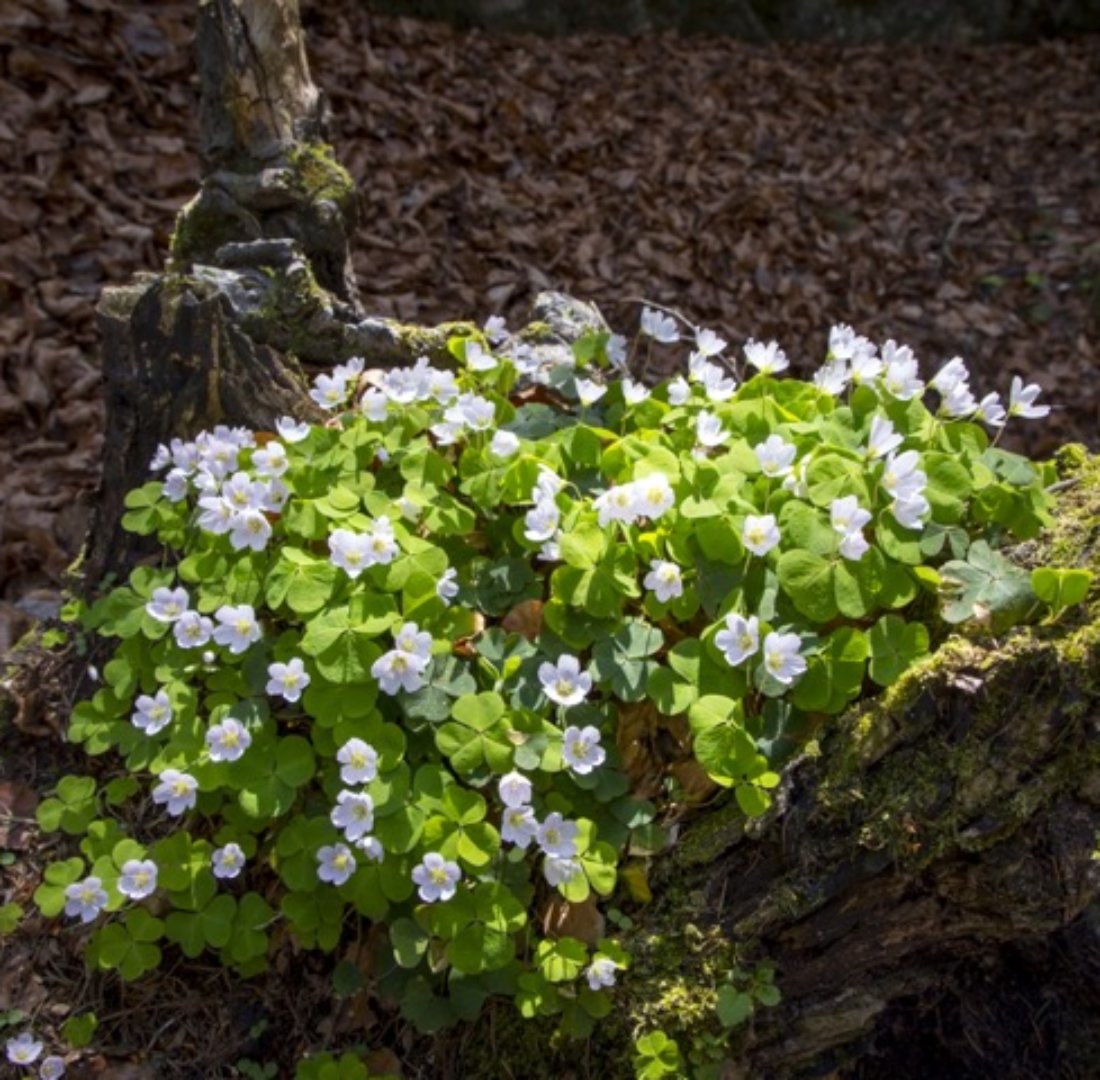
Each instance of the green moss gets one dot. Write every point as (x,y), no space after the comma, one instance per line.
(318,175)
(536,333)
(200,230)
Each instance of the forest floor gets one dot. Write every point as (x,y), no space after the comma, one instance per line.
(948,198)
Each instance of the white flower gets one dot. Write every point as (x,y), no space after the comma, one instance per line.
(541,521)
(442,386)
(436,877)
(559,871)
(228,861)
(866,366)
(237,627)
(949,376)
(218,459)
(477,412)
(564,682)
(359,762)
(901,378)
(249,529)
(558,837)
(243,493)
(153,714)
(1021,400)
(660,327)
(547,485)
(847,515)
(514,789)
(371,847)
(653,495)
(841,341)
(776,456)
(760,533)
(782,659)
(664,580)
(399,670)
(228,740)
(901,477)
(589,391)
(167,605)
(446,432)
(882,438)
(518,825)
(411,639)
(275,495)
(52,1068)
(290,430)
(192,630)
(353,813)
(175,486)
(600,973)
(496,329)
(990,410)
(854,546)
(270,460)
(24,1048)
(381,544)
(503,444)
(678,391)
(551,549)
(446,588)
(138,879)
(176,791)
(958,401)
(768,359)
(709,430)
(329,391)
(740,639)
(616,351)
(708,343)
(619,503)
(477,359)
(335,863)
(350,551)
(350,369)
(217,514)
(287,680)
(581,749)
(634,392)
(909,511)
(796,482)
(402,386)
(85,899)
(374,405)
(717,385)
(162,458)
(832,377)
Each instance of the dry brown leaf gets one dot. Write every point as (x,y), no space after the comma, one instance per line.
(560,918)
(524,619)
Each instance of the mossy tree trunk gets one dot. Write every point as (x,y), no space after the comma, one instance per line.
(937,837)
